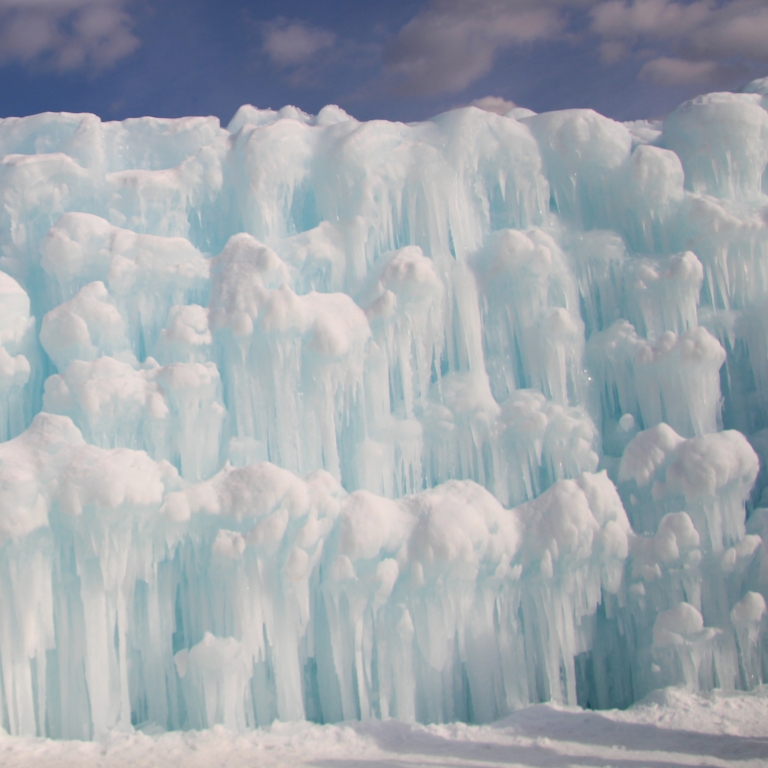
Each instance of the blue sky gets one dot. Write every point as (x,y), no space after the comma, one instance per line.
(396,59)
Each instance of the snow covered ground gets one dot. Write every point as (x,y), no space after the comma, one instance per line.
(669,728)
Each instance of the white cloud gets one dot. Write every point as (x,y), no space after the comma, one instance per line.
(291,44)
(613,51)
(669,71)
(65,34)
(704,36)
(453,43)
(740,29)
(658,19)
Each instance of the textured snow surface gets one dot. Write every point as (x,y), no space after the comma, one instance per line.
(310,419)
(670,728)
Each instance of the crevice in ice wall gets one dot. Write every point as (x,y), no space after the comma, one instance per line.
(314,418)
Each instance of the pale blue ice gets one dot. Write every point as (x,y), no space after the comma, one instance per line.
(308,418)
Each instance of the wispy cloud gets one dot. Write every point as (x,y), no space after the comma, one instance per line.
(451,44)
(709,41)
(293,43)
(665,70)
(658,19)
(66,35)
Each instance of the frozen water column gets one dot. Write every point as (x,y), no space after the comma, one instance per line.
(673,379)
(581,151)
(445,605)
(709,477)
(247,573)
(18,353)
(686,500)
(533,334)
(405,305)
(142,275)
(722,141)
(292,366)
(173,412)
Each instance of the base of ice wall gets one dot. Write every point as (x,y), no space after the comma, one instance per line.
(132,596)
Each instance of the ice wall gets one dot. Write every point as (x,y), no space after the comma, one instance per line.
(314,418)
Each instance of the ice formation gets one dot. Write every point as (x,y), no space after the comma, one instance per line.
(309,418)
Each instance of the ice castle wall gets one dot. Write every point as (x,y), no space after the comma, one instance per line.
(314,418)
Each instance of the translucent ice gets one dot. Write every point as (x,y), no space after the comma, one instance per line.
(17,353)
(313,418)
